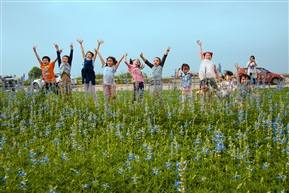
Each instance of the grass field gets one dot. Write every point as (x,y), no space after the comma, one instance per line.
(49,144)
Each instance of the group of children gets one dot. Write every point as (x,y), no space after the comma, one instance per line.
(208,74)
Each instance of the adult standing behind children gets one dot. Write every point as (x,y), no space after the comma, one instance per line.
(252,69)
(208,70)
(47,71)
(87,72)
(64,65)
(156,80)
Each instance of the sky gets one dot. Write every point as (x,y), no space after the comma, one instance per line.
(232,30)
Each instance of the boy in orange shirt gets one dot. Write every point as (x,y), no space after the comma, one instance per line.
(47,71)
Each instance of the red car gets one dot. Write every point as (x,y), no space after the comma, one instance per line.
(264,75)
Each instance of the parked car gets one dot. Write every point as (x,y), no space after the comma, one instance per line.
(265,76)
(38,83)
(7,83)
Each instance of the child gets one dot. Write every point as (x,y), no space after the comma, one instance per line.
(157,70)
(204,90)
(64,65)
(135,68)
(186,83)
(244,85)
(227,86)
(47,72)
(109,68)
(208,71)
(87,72)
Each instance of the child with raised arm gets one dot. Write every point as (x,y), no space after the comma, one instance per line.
(186,82)
(47,72)
(208,70)
(64,65)
(87,72)
(109,68)
(135,67)
(156,79)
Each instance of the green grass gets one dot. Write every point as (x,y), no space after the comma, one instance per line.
(216,145)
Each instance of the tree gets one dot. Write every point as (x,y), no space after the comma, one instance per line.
(35,73)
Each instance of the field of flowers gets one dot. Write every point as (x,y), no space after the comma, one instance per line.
(48,144)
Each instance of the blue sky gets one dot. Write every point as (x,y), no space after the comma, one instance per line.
(233,30)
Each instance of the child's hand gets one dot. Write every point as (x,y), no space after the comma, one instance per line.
(141,55)
(56,46)
(237,65)
(168,49)
(100,42)
(34,48)
(71,46)
(125,54)
(80,41)
(199,42)
(142,66)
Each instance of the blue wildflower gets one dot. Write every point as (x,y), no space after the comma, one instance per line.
(4,178)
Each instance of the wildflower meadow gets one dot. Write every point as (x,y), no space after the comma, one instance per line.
(51,144)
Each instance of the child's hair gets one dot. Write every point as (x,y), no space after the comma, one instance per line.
(227,73)
(158,58)
(245,76)
(46,58)
(211,53)
(184,64)
(90,53)
(66,57)
(113,59)
(252,57)
(132,60)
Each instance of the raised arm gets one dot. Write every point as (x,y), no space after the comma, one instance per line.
(216,72)
(36,54)
(201,50)
(145,60)
(124,59)
(101,59)
(71,54)
(165,56)
(178,73)
(237,69)
(99,42)
(81,47)
(142,57)
(58,54)
(119,61)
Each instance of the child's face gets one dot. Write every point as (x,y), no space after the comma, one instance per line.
(109,62)
(185,69)
(204,88)
(228,78)
(244,80)
(65,59)
(208,56)
(156,61)
(45,61)
(88,55)
(136,62)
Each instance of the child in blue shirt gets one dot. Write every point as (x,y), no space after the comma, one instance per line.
(186,82)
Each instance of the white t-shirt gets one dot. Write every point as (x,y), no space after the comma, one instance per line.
(206,69)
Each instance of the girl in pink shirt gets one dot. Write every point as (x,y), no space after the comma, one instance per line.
(134,67)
